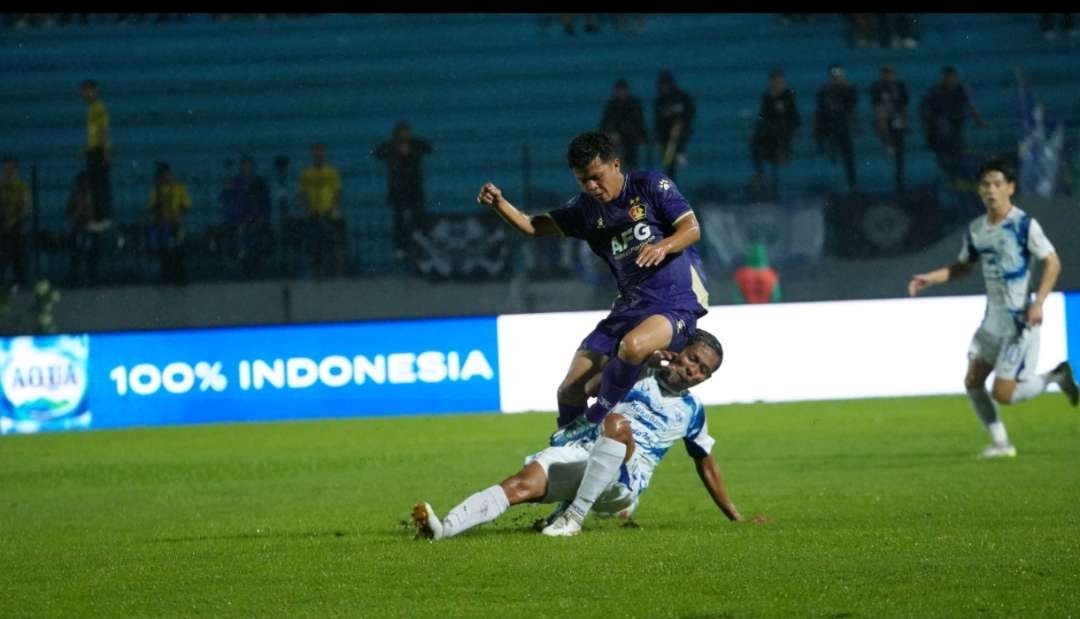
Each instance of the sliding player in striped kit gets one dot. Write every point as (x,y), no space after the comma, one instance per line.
(1007,341)
(606,470)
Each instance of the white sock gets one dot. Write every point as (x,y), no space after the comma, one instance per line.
(1030,388)
(997,433)
(484,506)
(983,405)
(602,468)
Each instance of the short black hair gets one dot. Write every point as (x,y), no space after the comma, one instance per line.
(949,70)
(998,164)
(776,73)
(10,158)
(701,336)
(88,83)
(588,146)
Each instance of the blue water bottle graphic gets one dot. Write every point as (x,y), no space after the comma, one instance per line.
(43,380)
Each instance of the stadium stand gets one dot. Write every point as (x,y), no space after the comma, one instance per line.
(482,88)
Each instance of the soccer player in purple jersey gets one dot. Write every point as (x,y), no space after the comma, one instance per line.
(644,229)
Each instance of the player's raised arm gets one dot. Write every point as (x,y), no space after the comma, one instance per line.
(687,232)
(922,281)
(529,225)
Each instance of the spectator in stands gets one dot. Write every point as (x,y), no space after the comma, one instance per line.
(320,195)
(591,25)
(246,201)
(405,182)
(14,211)
(897,30)
(169,200)
(778,118)
(85,238)
(861,29)
(624,122)
(943,110)
(889,97)
(98,154)
(1050,22)
(757,282)
(834,120)
(674,111)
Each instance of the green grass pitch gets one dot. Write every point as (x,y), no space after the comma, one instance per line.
(878,508)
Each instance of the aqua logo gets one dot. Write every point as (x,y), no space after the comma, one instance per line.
(48,377)
(44,379)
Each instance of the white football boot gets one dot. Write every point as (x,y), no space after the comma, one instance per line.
(563,526)
(994,450)
(428,525)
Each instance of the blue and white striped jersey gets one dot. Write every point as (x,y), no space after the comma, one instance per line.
(659,417)
(1004,251)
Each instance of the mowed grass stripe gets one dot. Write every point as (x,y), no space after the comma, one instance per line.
(878,507)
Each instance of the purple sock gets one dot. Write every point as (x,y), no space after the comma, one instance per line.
(619,377)
(568,412)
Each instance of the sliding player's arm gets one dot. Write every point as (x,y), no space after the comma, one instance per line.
(529,225)
(710,475)
(699,447)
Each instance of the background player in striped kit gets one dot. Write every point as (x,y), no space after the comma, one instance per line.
(1007,341)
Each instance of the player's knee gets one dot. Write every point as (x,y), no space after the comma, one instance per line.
(975,378)
(617,428)
(1003,392)
(634,349)
(520,489)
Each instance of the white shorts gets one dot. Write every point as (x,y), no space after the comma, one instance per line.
(565,466)
(1014,357)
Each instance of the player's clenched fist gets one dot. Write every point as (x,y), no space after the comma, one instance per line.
(489,195)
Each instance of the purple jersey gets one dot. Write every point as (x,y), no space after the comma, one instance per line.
(645,212)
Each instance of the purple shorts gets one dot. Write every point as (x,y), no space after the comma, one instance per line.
(605,338)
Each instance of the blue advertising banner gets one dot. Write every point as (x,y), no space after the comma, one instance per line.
(1072,324)
(249,374)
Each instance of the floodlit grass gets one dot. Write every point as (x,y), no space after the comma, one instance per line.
(878,508)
